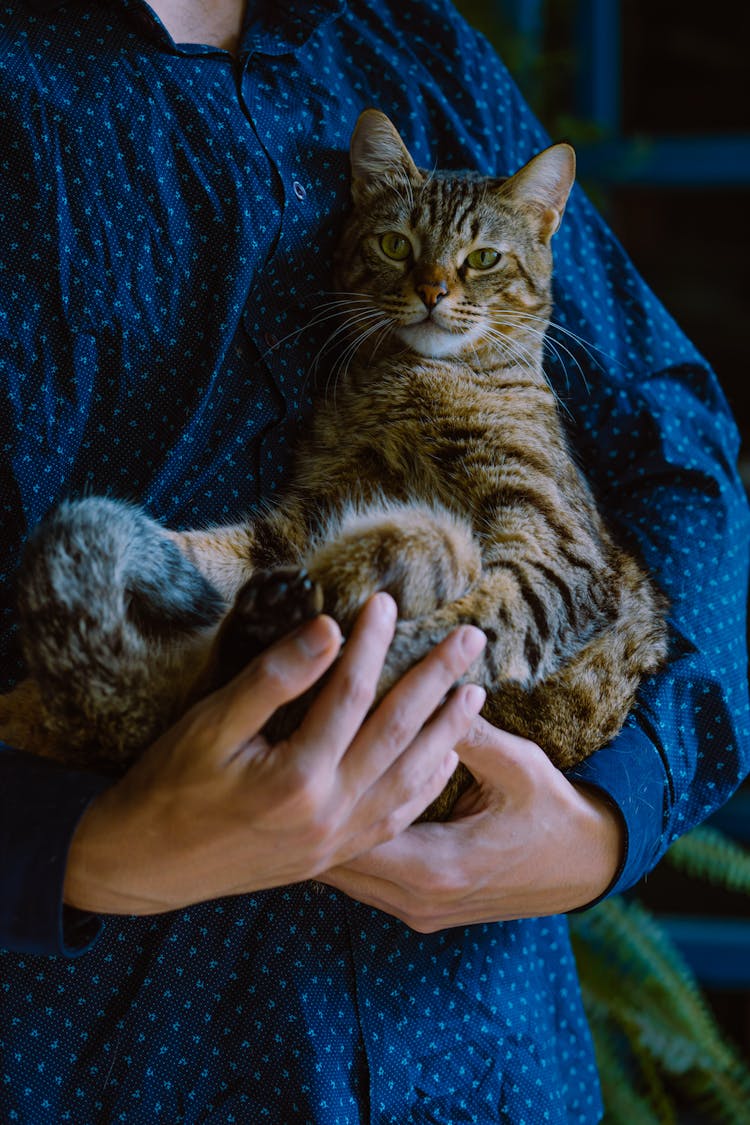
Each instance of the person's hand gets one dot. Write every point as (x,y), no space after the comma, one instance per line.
(522,842)
(212,809)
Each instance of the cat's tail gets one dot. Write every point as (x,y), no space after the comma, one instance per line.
(107,604)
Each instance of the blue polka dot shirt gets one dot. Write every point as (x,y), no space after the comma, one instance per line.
(167,220)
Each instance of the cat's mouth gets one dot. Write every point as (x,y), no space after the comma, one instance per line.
(429,338)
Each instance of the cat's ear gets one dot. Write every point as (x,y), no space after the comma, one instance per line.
(378,155)
(543,185)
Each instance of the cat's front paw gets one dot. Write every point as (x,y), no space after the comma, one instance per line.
(269,605)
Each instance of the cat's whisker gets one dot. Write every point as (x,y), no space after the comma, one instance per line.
(338,314)
(380,339)
(346,311)
(341,367)
(586,345)
(477,361)
(560,350)
(383,326)
(323,312)
(344,298)
(557,347)
(508,355)
(516,350)
(353,303)
(511,347)
(340,370)
(351,324)
(534,333)
(518,345)
(558,327)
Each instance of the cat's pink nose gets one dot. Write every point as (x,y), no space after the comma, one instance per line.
(432,292)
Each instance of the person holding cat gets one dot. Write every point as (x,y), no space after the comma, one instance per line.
(174,196)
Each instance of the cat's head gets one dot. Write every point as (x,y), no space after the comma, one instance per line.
(449,263)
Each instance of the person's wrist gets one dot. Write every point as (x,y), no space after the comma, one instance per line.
(110,867)
(605,834)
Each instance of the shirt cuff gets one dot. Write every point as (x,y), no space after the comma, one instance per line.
(630,773)
(42,803)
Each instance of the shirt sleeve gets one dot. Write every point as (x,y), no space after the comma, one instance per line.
(40,806)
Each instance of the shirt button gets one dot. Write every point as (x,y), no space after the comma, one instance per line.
(270,339)
(299,191)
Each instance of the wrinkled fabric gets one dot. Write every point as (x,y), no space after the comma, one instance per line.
(167,221)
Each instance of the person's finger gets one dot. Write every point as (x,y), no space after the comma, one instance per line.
(408,860)
(337,713)
(286,670)
(402,713)
(395,875)
(498,757)
(419,774)
(384,895)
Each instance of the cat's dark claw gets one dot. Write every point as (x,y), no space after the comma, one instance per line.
(268,606)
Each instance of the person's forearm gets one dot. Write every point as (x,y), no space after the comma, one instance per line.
(119,862)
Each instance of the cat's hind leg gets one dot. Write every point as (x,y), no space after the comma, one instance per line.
(423,556)
(112,614)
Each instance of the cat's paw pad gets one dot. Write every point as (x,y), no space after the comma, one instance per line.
(278,600)
(269,605)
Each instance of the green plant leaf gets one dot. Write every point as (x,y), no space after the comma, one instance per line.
(653,1029)
(705,853)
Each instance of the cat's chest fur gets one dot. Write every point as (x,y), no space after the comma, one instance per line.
(411,430)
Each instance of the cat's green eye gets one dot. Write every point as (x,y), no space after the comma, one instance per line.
(483,259)
(395,246)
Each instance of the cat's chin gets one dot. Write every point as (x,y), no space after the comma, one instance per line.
(431,341)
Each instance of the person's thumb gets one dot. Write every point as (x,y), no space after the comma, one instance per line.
(497,757)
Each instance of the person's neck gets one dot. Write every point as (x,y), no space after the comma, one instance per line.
(217,22)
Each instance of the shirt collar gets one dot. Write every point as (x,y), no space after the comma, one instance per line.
(275,28)
(280,18)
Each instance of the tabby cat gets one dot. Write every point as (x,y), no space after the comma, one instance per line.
(439,471)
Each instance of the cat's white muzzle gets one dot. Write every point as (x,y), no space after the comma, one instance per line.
(429,338)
